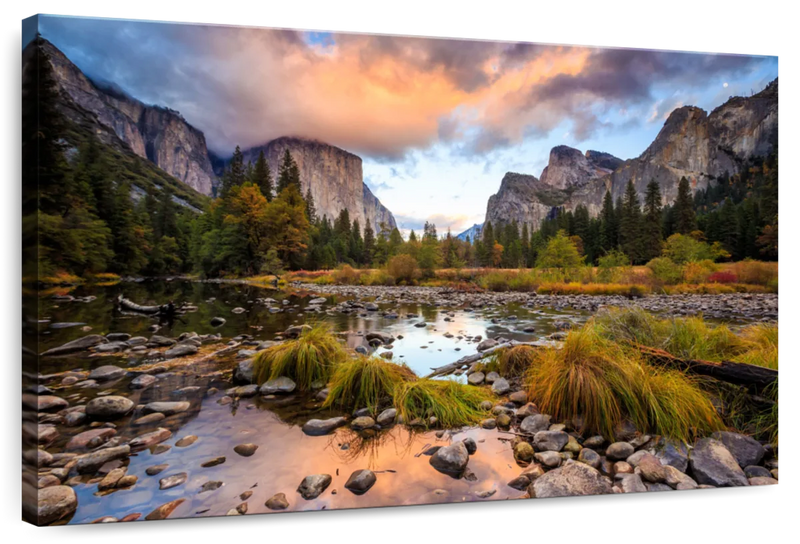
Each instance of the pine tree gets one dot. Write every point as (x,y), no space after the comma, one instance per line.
(311,209)
(235,174)
(262,177)
(289,173)
(369,244)
(685,220)
(608,230)
(630,228)
(651,228)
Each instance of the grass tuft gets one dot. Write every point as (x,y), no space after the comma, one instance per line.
(311,357)
(597,379)
(453,404)
(363,382)
(512,362)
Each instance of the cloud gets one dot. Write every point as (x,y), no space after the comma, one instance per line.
(382,97)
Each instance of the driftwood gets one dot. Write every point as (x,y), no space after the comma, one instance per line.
(165,310)
(755,378)
(475,357)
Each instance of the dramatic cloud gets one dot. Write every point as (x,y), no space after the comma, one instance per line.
(382,96)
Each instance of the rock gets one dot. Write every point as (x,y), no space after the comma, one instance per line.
(312,486)
(362,423)
(747,451)
(243,373)
(451,460)
(491,377)
(44,403)
(149,418)
(387,417)
(503,420)
(167,408)
(213,462)
(594,442)
(278,385)
(524,452)
(46,434)
(245,450)
(81,344)
(383,337)
(529,409)
(142,381)
(181,350)
(149,439)
(550,440)
(550,459)
(713,464)
(657,487)
(118,337)
(319,427)
(619,451)
(160,341)
(296,330)
(518,397)
(760,480)
(501,387)
(677,479)
(156,469)
(90,439)
(573,446)
(172,481)
(757,472)
(535,423)
(111,479)
(487,344)
(632,483)
(471,445)
(622,467)
(651,469)
(277,502)
(360,481)
(570,480)
(55,503)
(217,321)
(476,378)
(625,431)
(109,407)
(91,462)
(489,423)
(589,457)
(107,373)
(164,511)
(186,441)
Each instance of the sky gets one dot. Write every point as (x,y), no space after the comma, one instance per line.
(437,122)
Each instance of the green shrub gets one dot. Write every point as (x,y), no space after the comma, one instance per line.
(363,382)
(403,268)
(665,270)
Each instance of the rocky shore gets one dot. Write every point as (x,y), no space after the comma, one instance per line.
(741,307)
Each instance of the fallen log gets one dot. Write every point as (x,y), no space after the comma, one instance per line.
(129,305)
(755,378)
(475,357)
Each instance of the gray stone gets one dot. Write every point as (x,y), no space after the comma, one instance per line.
(172,481)
(632,483)
(245,450)
(760,480)
(107,373)
(362,423)
(451,459)
(476,378)
(142,381)
(524,452)
(167,408)
(312,486)
(570,480)
(149,439)
(529,409)
(501,386)
(55,503)
(590,457)
(550,459)
(747,451)
(319,427)
(550,440)
(109,407)
(535,423)
(619,451)
(278,385)
(487,344)
(181,350)
(754,471)
(713,464)
(277,502)
(361,481)
(387,417)
(91,462)
(243,373)
(80,344)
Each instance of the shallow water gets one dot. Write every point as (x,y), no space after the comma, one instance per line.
(285,454)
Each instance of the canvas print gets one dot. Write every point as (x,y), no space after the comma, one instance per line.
(270,270)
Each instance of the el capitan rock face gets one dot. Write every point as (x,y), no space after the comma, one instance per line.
(334,176)
(158,134)
(691,144)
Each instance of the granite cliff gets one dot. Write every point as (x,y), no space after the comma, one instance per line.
(334,177)
(158,134)
(692,143)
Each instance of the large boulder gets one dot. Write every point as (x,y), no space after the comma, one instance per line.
(56,503)
(243,373)
(535,423)
(713,464)
(451,460)
(570,480)
(673,453)
(501,386)
(110,407)
(746,450)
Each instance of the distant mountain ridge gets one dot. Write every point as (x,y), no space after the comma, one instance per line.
(693,144)
(472,233)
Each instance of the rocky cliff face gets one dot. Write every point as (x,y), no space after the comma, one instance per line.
(158,134)
(693,144)
(334,177)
